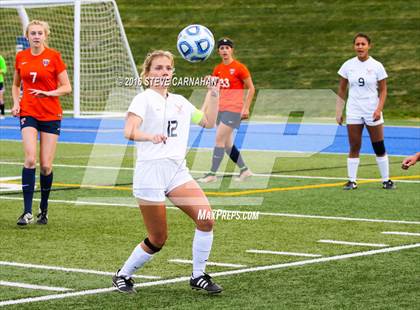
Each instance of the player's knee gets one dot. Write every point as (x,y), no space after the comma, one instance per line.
(355,147)
(379,148)
(30,162)
(46,170)
(205,225)
(156,241)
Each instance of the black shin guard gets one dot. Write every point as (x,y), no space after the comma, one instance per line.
(379,148)
(152,247)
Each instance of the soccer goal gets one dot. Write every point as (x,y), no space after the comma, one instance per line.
(91,38)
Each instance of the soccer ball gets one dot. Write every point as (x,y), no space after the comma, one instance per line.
(195,43)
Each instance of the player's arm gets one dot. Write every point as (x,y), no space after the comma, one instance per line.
(16,93)
(382,97)
(249,86)
(410,161)
(340,102)
(131,131)
(206,117)
(64,87)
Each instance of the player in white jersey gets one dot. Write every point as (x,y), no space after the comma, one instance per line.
(159,122)
(366,79)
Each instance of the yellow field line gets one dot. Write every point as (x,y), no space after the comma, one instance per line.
(237,193)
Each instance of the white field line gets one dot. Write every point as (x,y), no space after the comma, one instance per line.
(321,217)
(10,178)
(105,273)
(224,273)
(71,166)
(282,253)
(35,287)
(206,149)
(400,233)
(187,261)
(264,175)
(6,187)
(378,245)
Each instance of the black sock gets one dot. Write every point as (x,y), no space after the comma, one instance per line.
(2,108)
(218,153)
(236,157)
(28,185)
(46,182)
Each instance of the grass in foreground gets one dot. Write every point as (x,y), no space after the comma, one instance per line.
(101,237)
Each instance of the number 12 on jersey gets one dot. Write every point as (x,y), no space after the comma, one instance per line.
(171,131)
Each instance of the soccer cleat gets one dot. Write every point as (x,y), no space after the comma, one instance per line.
(350,185)
(243,175)
(205,283)
(123,284)
(208,178)
(389,185)
(42,218)
(25,219)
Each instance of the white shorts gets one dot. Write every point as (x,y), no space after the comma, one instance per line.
(366,119)
(154,179)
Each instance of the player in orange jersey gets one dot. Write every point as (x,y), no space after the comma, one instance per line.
(43,76)
(234,77)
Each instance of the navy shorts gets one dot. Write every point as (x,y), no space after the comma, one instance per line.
(1,86)
(44,126)
(231,119)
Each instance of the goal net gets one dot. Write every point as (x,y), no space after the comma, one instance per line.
(91,39)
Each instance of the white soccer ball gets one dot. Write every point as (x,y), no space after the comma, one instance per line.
(195,43)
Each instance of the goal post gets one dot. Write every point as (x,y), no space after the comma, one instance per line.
(90,36)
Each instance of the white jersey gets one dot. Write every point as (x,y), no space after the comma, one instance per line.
(363,77)
(170,117)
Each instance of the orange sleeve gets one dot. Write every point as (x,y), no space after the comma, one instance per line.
(17,62)
(215,71)
(243,72)
(60,66)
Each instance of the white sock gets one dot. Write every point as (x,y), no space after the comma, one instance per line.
(201,248)
(137,259)
(383,164)
(352,165)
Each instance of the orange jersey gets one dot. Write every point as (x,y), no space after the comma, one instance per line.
(232,85)
(40,72)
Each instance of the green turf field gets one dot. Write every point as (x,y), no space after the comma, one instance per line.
(291,44)
(285,44)
(94,225)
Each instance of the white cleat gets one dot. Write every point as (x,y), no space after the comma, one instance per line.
(244,175)
(208,178)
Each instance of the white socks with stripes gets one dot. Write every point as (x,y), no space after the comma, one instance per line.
(352,166)
(137,259)
(383,164)
(201,248)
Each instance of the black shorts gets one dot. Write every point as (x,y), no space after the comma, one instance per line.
(44,126)
(231,119)
(1,86)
